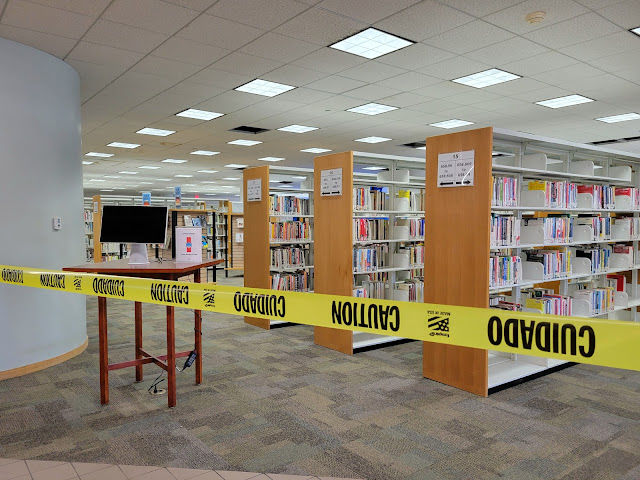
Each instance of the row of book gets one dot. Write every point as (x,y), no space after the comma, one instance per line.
(629,224)
(505,230)
(505,192)
(416,254)
(288,204)
(504,270)
(288,257)
(557,228)
(370,229)
(369,259)
(558,194)
(288,231)
(371,289)
(415,199)
(415,287)
(551,304)
(632,193)
(370,198)
(604,196)
(599,257)
(555,263)
(416,227)
(599,300)
(293,282)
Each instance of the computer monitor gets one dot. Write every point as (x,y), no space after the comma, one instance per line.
(137,225)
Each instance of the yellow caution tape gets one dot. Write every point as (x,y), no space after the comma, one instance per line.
(608,343)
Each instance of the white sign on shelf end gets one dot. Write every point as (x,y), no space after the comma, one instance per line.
(456,169)
(254,190)
(331,182)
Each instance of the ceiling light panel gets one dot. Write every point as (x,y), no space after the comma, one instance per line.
(97,180)
(199,114)
(125,172)
(316,150)
(156,131)
(372,109)
(264,88)
(206,153)
(112,176)
(163,179)
(493,76)
(454,123)
(374,168)
(297,129)
(183,176)
(207,171)
(625,117)
(98,154)
(123,145)
(173,160)
(235,165)
(371,43)
(86,162)
(636,31)
(567,101)
(231,178)
(372,139)
(244,143)
(149,167)
(271,159)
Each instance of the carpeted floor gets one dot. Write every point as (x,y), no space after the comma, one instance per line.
(273,402)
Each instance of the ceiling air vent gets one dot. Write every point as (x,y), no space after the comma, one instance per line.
(414,144)
(251,130)
(618,140)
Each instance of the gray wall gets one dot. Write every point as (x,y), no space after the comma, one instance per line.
(40,178)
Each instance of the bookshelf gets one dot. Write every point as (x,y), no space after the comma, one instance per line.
(235,248)
(219,232)
(563,218)
(88,233)
(278,232)
(362,238)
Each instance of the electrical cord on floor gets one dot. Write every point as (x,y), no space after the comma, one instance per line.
(155,383)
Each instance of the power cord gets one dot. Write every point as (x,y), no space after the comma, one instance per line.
(188,362)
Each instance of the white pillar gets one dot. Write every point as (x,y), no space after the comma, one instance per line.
(40,178)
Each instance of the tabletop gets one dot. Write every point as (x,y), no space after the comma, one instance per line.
(122,267)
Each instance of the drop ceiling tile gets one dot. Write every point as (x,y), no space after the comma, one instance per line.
(101,54)
(508,51)
(541,94)
(41,18)
(244,64)
(597,4)
(321,27)
(516,87)
(53,44)
(278,47)
(513,18)
(502,105)
(92,8)
(219,32)
(433,106)
(372,92)
(188,51)
(372,71)
(329,60)
(335,84)
(415,56)
(154,15)
(577,30)
(409,81)
(164,67)
(625,14)
(473,96)
(342,102)
(423,20)
(454,68)
(94,77)
(292,74)
(540,63)
(568,76)
(219,78)
(602,83)
(257,13)
(468,37)
(230,101)
(620,61)
(403,100)
(442,90)
(199,5)
(480,9)
(369,11)
(305,95)
(602,46)
(122,36)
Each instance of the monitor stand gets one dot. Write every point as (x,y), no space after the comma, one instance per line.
(138,254)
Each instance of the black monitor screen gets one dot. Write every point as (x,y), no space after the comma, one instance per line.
(134,224)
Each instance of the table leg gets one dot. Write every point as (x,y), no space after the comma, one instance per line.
(138,330)
(198,335)
(171,357)
(104,350)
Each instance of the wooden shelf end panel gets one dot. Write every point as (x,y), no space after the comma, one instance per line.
(339,340)
(461,367)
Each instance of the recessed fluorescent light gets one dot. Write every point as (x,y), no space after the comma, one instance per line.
(316,150)
(112,176)
(231,178)
(163,179)
(149,167)
(246,143)
(271,159)
(372,109)
(264,88)
(372,139)
(208,181)
(371,43)
(106,190)
(421,148)
(297,129)
(156,131)
(274,181)
(97,180)
(123,145)
(451,123)
(207,171)
(86,162)
(188,185)
(597,166)
(374,168)
(235,165)
(118,188)
(636,31)
(619,118)
(183,176)
(146,183)
(129,173)
(199,114)
(564,101)
(173,160)
(98,154)
(299,178)
(204,152)
(493,76)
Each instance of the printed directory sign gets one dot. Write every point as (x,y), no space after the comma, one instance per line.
(456,169)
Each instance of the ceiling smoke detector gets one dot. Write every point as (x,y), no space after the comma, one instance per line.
(535,17)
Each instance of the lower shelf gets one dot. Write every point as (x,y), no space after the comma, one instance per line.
(366,340)
(505,370)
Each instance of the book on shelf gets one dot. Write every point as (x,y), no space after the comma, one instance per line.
(505,230)
(370,229)
(558,194)
(551,304)
(293,282)
(288,257)
(288,205)
(599,300)
(603,196)
(368,259)
(188,222)
(195,221)
(555,262)
(292,230)
(599,257)
(631,193)
(504,193)
(619,281)
(558,228)
(371,198)
(600,225)
(504,270)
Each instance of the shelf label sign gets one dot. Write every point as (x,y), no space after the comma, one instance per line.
(331,182)
(254,190)
(146,198)
(456,169)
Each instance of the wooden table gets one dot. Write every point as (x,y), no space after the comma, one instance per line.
(167,270)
